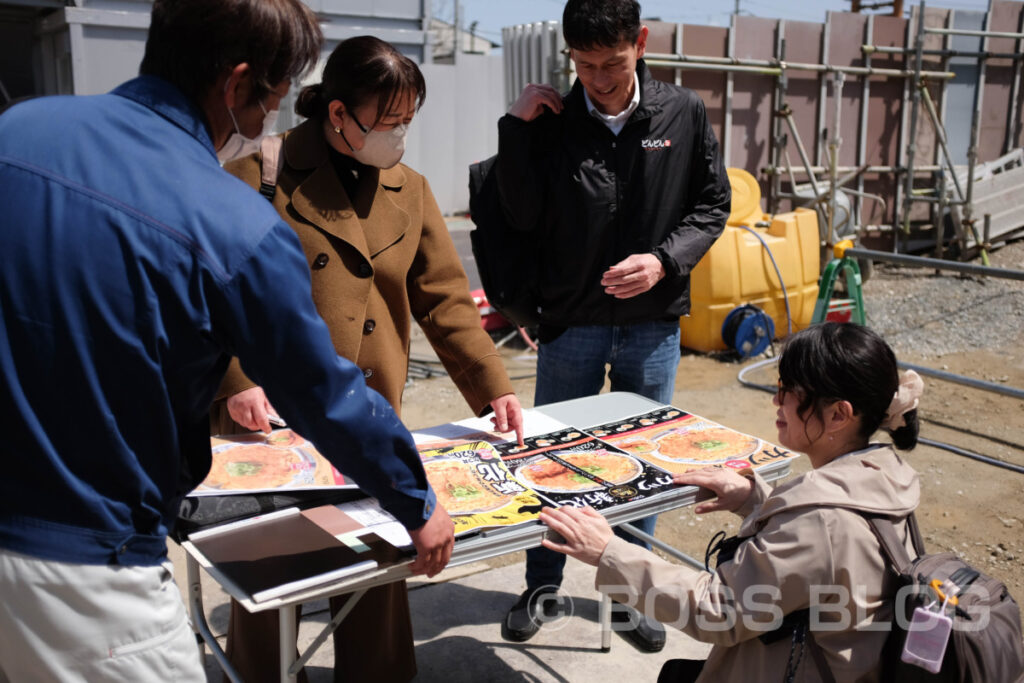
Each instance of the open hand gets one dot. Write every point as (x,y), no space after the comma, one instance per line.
(584,531)
(731,489)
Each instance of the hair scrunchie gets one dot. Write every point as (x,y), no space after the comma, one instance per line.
(904,400)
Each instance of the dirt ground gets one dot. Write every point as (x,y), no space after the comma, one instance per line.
(971,507)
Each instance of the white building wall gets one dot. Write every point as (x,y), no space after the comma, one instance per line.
(97,44)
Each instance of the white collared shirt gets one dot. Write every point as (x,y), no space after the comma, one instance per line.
(615,122)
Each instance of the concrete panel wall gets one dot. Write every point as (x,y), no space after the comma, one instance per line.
(457,126)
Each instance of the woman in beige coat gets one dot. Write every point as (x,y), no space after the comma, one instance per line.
(380,256)
(802,545)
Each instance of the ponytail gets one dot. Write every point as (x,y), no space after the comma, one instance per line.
(310,102)
(905,438)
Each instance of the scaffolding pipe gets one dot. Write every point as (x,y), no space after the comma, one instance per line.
(862,126)
(972,151)
(915,103)
(787,113)
(939,222)
(774,65)
(940,135)
(936,200)
(847,169)
(833,148)
(923,262)
(700,66)
(778,136)
(1011,120)
(893,50)
(976,34)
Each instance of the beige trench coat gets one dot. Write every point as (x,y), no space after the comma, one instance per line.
(378,261)
(802,545)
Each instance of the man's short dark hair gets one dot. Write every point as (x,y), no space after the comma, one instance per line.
(589,24)
(192,42)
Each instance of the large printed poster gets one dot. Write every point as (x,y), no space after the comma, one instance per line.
(476,488)
(571,467)
(677,441)
(279,461)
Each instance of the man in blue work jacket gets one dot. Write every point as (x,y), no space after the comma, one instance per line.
(131,269)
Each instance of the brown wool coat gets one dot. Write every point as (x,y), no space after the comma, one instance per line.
(378,261)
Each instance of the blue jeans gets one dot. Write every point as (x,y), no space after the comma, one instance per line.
(643,359)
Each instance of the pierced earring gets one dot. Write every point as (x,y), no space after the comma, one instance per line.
(337,129)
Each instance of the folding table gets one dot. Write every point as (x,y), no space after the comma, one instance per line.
(583,413)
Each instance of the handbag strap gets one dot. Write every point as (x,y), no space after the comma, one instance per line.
(270,164)
(892,547)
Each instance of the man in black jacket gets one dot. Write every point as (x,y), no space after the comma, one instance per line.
(621,186)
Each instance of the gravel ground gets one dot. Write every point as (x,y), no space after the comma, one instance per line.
(929,315)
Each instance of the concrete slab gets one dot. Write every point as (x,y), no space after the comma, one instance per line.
(456,619)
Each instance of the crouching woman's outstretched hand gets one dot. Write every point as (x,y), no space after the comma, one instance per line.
(731,489)
(584,532)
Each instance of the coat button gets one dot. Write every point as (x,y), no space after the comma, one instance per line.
(364,270)
(368,373)
(320,261)
(369,326)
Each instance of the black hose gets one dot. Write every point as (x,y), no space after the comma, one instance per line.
(971,454)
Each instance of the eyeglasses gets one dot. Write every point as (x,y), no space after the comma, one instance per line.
(780,393)
(363,129)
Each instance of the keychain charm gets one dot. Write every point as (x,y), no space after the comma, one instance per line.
(927,636)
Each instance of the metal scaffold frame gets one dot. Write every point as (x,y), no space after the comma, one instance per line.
(916,79)
(779,67)
(963,196)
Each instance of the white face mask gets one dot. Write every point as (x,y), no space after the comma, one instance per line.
(381,148)
(239,145)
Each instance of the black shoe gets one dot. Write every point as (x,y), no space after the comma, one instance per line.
(525,618)
(646,633)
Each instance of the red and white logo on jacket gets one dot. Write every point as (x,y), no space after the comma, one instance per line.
(651,145)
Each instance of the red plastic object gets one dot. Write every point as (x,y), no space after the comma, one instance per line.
(490,319)
(840,310)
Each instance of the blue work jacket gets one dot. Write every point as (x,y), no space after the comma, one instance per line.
(131,268)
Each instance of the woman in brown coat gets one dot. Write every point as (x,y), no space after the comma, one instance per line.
(380,255)
(803,545)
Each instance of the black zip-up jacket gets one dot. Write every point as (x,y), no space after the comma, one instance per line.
(590,199)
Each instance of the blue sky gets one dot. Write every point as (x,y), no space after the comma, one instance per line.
(492,15)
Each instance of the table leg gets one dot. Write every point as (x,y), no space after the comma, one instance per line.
(661,545)
(198,615)
(288,635)
(605,617)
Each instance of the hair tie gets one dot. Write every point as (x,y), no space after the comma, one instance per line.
(904,400)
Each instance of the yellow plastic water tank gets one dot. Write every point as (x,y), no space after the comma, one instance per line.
(745,208)
(737,270)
